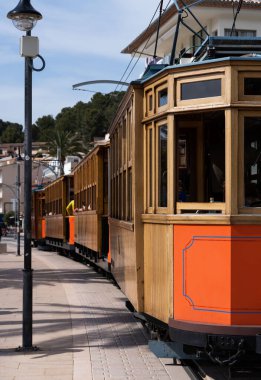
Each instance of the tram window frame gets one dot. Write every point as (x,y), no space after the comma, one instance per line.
(149,102)
(241,85)
(129,135)
(163,97)
(243,207)
(121,176)
(129,195)
(200,78)
(162,176)
(152,180)
(150,169)
(159,90)
(199,133)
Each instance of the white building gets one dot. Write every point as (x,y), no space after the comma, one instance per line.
(215,16)
(9,180)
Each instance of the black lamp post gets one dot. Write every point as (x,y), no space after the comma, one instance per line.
(24,17)
(18,186)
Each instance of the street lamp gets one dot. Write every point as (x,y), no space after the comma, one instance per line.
(24,17)
(18,185)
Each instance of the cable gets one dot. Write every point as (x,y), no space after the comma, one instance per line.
(158,28)
(235,17)
(141,51)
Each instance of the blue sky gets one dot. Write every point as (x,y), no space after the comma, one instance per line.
(80,40)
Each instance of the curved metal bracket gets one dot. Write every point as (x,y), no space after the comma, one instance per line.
(43,64)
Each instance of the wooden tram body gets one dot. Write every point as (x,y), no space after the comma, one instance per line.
(85,234)
(126,204)
(59,225)
(190,259)
(38,216)
(91,202)
(184,198)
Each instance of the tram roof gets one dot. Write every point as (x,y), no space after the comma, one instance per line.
(153,70)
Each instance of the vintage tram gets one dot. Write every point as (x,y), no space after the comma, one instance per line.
(185,221)
(184,196)
(38,217)
(71,213)
(91,232)
(59,225)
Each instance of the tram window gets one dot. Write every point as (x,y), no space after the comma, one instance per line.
(94,197)
(252,86)
(201,157)
(124,196)
(150,103)
(150,164)
(201,89)
(129,195)
(163,97)
(162,177)
(252,161)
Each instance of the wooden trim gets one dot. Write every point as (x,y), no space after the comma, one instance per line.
(198,78)
(228,85)
(121,224)
(255,73)
(156,180)
(214,206)
(215,219)
(200,161)
(147,94)
(171,164)
(246,218)
(250,210)
(231,161)
(160,87)
(241,116)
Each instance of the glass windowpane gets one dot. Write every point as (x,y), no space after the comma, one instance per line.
(162,177)
(201,89)
(252,161)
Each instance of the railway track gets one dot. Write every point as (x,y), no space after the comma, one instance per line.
(198,370)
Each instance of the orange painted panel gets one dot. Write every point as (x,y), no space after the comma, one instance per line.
(71,229)
(216,274)
(43,228)
(245,276)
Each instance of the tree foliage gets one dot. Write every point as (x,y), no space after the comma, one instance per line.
(73,129)
(10,132)
(42,128)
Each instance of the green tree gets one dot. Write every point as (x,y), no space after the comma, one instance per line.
(11,132)
(74,128)
(65,143)
(42,128)
(98,115)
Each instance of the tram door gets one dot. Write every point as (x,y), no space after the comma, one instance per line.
(201,157)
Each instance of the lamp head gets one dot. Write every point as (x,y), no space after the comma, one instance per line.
(24,16)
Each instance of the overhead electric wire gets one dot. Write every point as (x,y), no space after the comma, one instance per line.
(132,58)
(121,80)
(235,16)
(158,28)
(137,60)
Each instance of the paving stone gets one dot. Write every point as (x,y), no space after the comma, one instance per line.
(81,325)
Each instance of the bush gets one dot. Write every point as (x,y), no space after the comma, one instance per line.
(9,218)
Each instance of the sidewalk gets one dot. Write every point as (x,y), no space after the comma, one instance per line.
(81,326)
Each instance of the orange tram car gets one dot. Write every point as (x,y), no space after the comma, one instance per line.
(184,198)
